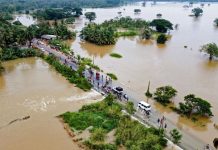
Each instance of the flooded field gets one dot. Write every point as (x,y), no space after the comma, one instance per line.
(186,69)
(29,87)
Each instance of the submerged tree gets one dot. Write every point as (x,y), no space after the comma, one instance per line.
(161,39)
(195,105)
(162,25)
(164,94)
(197,11)
(146,34)
(78,12)
(211,49)
(90,16)
(216,22)
(137,11)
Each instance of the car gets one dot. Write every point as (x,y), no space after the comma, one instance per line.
(117,90)
(144,106)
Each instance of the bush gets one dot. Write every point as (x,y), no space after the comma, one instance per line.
(100,146)
(161,39)
(98,135)
(71,75)
(164,94)
(14,53)
(113,76)
(116,55)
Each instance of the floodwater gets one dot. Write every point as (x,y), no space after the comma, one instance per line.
(186,69)
(30,87)
(25,19)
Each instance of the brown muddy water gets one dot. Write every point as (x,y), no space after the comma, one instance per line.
(30,87)
(186,69)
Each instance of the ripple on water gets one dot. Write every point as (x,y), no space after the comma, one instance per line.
(39,105)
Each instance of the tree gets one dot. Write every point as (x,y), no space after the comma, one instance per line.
(195,105)
(78,12)
(137,11)
(176,136)
(216,22)
(211,49)
(161,39)
(146,34)
(130,107)
(162,25)
(90,16)
(197,11)
(99,34)
(70,20)
(164,94)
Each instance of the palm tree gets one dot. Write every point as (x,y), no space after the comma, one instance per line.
(211,49)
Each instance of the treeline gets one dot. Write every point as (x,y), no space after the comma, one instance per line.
(58,13)
(23,5)
(107,32)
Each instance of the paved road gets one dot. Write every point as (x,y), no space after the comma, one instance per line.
(188,141)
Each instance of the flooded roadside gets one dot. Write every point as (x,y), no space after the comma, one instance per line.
(30,87)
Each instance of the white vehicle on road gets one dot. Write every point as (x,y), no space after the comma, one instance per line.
(144,106)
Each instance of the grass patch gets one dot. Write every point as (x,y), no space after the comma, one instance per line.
(116,55)
(127,33)
(113,76)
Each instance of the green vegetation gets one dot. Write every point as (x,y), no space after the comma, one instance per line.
(211,49)
(197,12)
(53,14)
(161,39)
(23,6)
(146,34)
(99,34)
(90,16)
(195,106)
(113,76)
(6,16)
(105,116)
(70,20)
(17,23)
(137,11)
(126,23)
(106,33)
(216,22)
(161,25)
(176,136)
(14,53)
(116,55)
(164,94)
(62,46)
(130,107)
(134,135)
(75,77)
(127,33)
